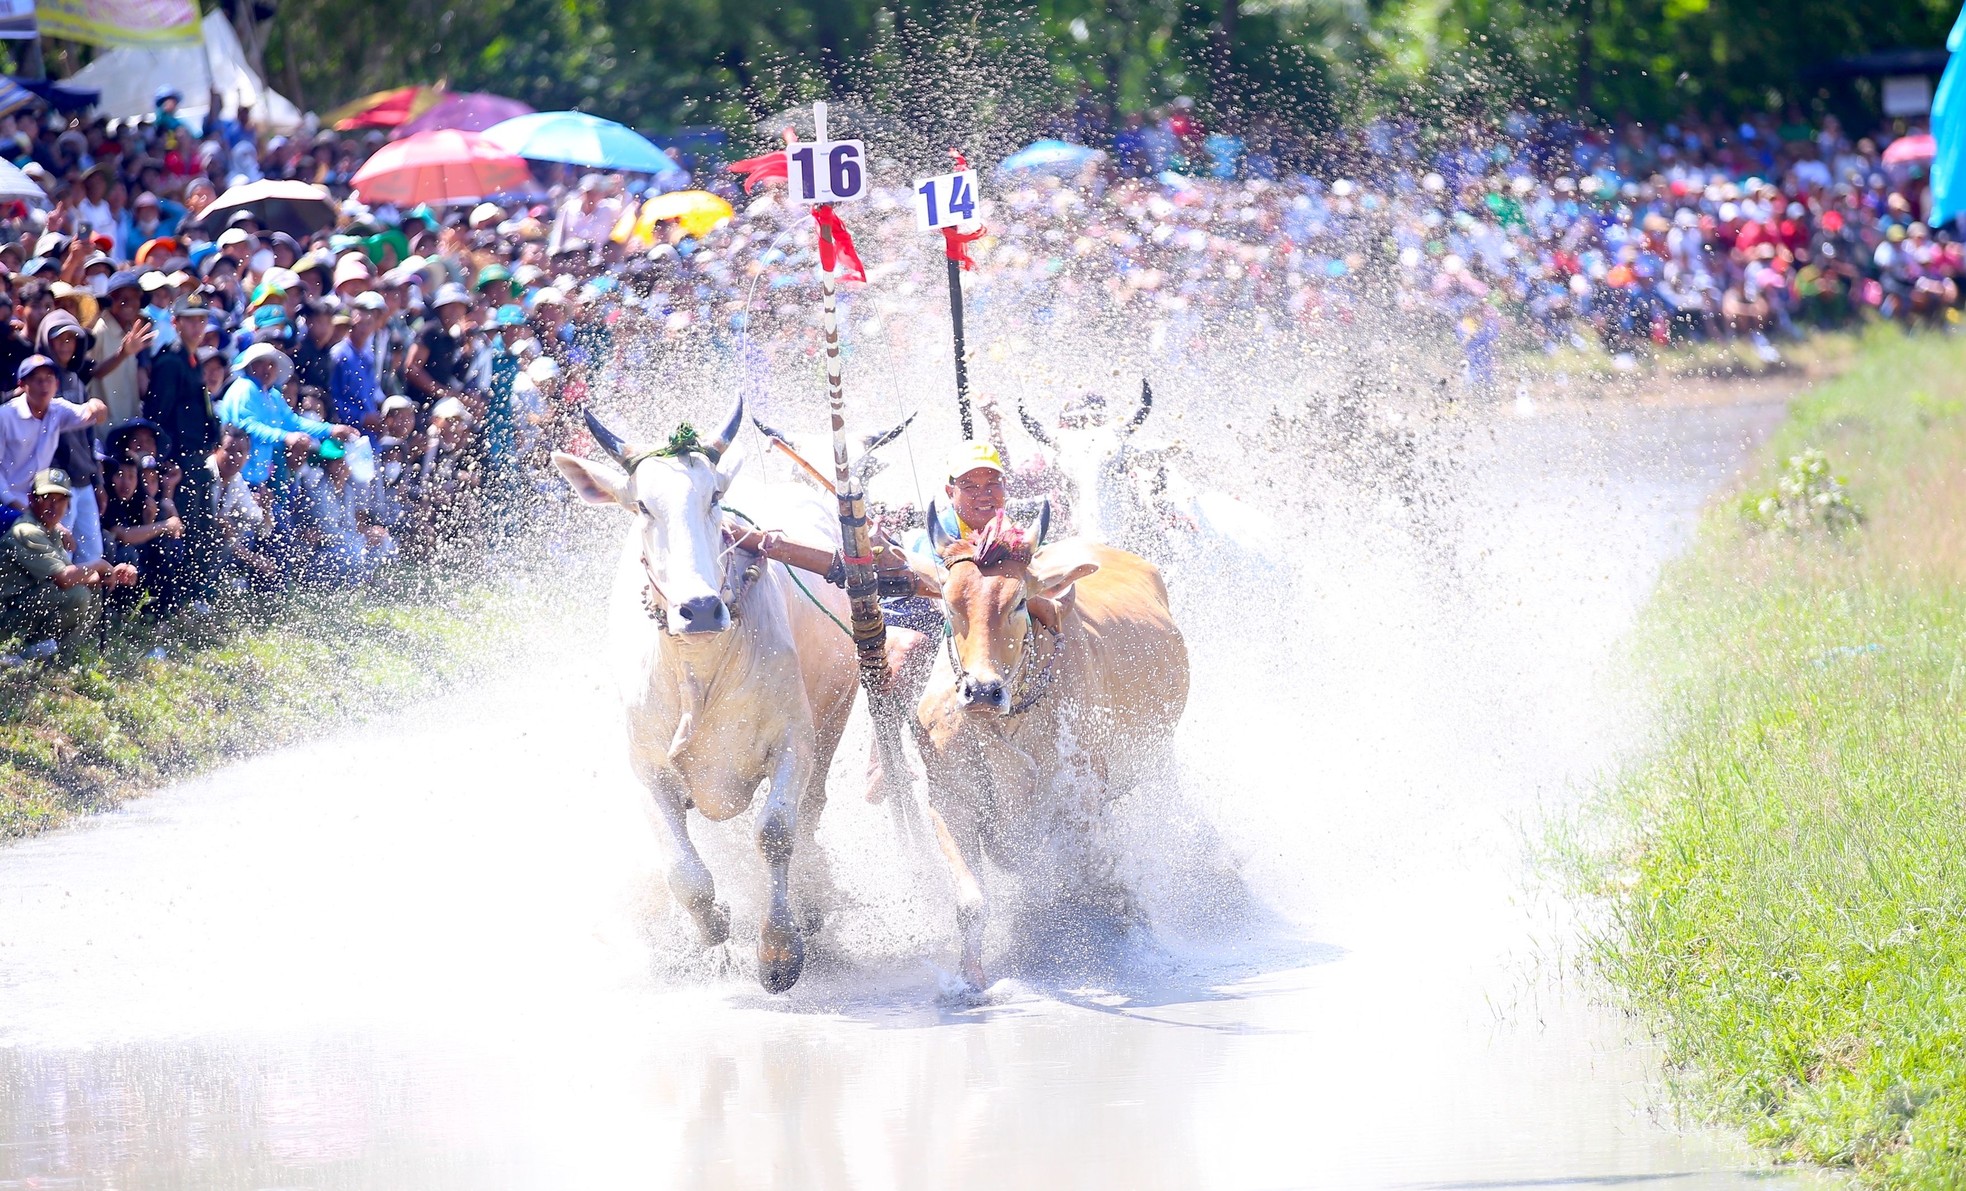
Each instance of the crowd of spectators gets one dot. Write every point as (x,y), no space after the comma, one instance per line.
(229,406)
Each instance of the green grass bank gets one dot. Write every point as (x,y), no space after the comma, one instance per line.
(1783,874)
(166,702)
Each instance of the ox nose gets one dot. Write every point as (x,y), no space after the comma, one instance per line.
(984,693)
(704,614)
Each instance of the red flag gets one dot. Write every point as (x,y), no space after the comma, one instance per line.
(837,249)
(955,245)
(759,170)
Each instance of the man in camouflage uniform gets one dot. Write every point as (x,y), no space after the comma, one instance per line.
(43,594)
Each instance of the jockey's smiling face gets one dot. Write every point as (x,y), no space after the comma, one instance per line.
(978,495)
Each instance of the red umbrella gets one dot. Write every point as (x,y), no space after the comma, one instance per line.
(443,165)
(1910,150)
(471,111)
(384,109)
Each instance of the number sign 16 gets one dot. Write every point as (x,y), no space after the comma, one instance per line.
(827,171)
(946,200)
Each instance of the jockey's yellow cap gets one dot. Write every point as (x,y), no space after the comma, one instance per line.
(972,455)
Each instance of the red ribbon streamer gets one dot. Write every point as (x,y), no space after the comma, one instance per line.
(838,248)
(955,245)
(759,170)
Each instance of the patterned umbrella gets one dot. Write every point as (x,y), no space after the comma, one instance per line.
(443,165)
(384,109)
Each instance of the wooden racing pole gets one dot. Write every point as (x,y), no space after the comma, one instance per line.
(885,702)
(962,365)
(856,544)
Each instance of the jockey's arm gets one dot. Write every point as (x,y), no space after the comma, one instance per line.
(888,559)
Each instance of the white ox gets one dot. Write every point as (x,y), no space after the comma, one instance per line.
(730,676)
(1128,495)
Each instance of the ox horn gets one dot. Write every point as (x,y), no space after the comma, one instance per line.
(1044,520)
(1031,425)
(875,442)
(716,447)
(607,439)
(937,536)
(1146,406)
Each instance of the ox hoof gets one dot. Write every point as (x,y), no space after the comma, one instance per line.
(781,957)
(712,921)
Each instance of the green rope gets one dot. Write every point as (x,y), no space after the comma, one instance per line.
(682,442)
(794,573)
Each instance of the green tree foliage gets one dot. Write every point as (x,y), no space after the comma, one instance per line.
(664,63)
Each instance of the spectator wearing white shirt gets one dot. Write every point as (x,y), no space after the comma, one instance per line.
(31,426)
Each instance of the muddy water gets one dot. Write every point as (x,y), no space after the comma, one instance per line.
(434,954)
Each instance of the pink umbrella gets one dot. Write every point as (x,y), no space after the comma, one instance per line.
(1910,150)
(467,111)
(443,165)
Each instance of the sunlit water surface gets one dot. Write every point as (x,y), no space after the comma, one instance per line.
(434,953)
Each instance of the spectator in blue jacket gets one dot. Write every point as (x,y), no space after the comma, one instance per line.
(253,402)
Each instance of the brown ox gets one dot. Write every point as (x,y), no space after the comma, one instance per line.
(1063,678)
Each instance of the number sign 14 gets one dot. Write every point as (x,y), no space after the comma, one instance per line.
(827,171)
(946,200)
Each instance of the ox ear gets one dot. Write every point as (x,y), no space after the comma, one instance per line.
(594,482)
(1054,571)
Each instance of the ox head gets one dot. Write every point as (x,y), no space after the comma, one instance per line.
(1101,466)
(993,583)
(674,493)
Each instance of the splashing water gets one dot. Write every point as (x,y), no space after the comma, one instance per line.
(436,952)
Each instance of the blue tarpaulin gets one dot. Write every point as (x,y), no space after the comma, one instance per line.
(1949,130)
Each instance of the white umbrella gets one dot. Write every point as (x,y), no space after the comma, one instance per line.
(16,185)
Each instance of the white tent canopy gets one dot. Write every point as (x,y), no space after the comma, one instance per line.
(128,79)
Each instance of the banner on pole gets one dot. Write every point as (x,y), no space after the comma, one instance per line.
(17,20)
(121,22)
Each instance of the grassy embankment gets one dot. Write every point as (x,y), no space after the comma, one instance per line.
(1785,876)
(82,734)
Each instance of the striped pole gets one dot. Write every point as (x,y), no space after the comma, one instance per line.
(856,545)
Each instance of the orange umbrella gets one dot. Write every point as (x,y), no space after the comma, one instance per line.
(444,165)
(384,109)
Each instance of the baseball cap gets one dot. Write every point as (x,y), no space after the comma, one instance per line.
(972,455)
(391,404)
(51,481)
(231,236)
(510,315)
(352,266)
(491,273)
(30,365)
(449,407)
(369,300)
(450,294)
(125,279)
(153,280)
(270,316)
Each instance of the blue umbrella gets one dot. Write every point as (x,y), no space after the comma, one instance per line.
(577,138)
(1949,130)
(1048,157)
